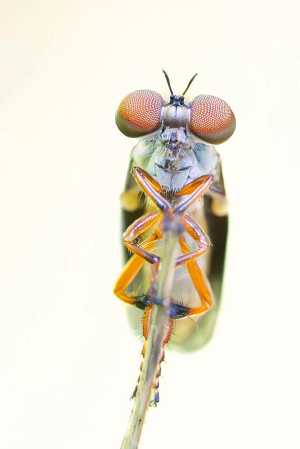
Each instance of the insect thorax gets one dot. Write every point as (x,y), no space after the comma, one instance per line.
(174,157)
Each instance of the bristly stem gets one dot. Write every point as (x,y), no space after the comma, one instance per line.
(161,314)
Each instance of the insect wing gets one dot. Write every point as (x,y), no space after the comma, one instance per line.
(211,214)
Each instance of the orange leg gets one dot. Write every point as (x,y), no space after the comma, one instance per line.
(144,178)
(151,187)
(199,236)
(196,188)
(201,284)
(129,272)
(137,228)
(191,187)
(131,269)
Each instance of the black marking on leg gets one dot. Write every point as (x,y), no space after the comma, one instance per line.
(142,302)
(178,311)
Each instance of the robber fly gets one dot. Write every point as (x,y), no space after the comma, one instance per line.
(175,170)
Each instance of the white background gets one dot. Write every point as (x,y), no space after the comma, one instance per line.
(68,358)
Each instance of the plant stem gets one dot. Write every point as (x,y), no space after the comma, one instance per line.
(161,314)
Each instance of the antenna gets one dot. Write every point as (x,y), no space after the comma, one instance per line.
(189,83)
(168,81)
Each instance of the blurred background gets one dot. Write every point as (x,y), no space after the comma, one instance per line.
(69,360)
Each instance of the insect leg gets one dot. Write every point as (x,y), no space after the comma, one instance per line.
(200,282)
(196,189)
(144,179)
(131,269)
(129,272)
(137,228)
(199,236)
(152,188)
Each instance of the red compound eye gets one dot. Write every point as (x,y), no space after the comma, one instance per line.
(211,119)
(139,113)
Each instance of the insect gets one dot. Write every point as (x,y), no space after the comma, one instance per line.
(175,174)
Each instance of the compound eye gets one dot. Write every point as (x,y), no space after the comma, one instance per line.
(211,119)
(139,113)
